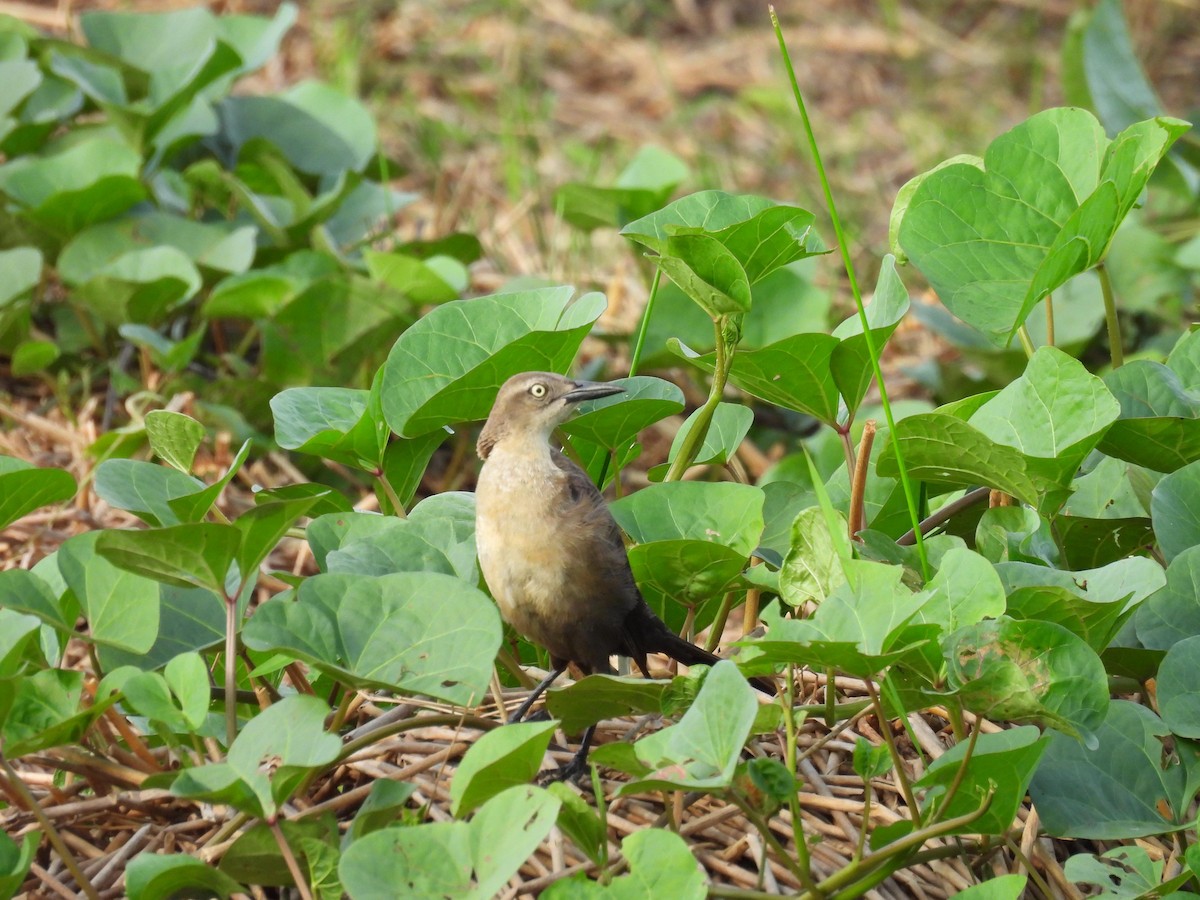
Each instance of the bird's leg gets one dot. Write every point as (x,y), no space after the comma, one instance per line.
(519,714)
(578,764)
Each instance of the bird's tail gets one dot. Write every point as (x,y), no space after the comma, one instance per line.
(663,640)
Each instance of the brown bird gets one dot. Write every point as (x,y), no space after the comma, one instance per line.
(550,550)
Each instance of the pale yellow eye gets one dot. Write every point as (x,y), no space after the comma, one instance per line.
(537,391)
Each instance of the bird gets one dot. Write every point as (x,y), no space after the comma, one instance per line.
(551,552)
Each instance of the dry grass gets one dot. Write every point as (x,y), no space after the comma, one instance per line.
(488,106)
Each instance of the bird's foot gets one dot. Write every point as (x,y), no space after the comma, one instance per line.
(574,771)
(540,716)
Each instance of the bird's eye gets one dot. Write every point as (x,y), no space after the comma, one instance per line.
(538,391)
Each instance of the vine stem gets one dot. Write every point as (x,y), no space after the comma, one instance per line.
(290,858)
(694,439)
(869,338)
(898,762)
(1116,351)
(230,671)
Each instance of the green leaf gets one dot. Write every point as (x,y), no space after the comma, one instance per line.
(693,754)
(470,860)
(944,449)
(446,367)
(613,421)
(728,428)
(24,591)
(319,130)
(43,710)
(1002,763)
(500,759)
(174,437)
(383,806)
(660,865)
(144,489)
(18,640)
(1172,613)
(24,488)
(1175,510)
(850,364)
(642,187)
(1055,411)
(189,619)
(340,424)
(1143,793)
(383,632)
(215,246)
(1159,426)
(141,286)
(20,270)
(91,180)
(436,279)
(1119,873)
(196,555)
(598,697)
(268,758)
(437,536)
(1178,694)
(995,241)
(708,273)
(193,507)
(154,876)
(15,861)
(32,357)
(860,628)
(262,529)
(1028,672)
(758,234)
(1006,887)
(966,590)
(812,568)
(794,373)
(725,514)
(122,608)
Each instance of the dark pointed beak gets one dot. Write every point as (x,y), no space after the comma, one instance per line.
(591,390)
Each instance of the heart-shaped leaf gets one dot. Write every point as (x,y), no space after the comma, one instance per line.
(387,632)
(446,368)
(997,238)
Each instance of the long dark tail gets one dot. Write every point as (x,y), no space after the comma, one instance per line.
(655,637)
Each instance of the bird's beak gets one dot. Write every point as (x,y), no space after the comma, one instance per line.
(591,390)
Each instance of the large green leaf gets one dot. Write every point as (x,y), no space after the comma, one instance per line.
(446,368)
(465,860)
(437,536)
(613,421)
(341,424)
(24,488)
(194,555)
(268,759)
(320,130)
(44,710)
(121,607)
(498,760)
(758,234)
(1172,613)
(996,239)
(866,623)
(387,632)
(1159,426)
(88,181)
(20,270)
(1120,789)
(1028,671)
(794,373)
(693,754)
(1175,510)
(660,865)
(1000,764)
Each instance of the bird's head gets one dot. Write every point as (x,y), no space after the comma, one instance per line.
(533,404)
